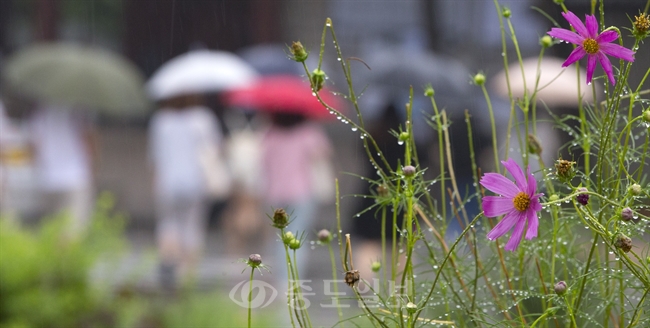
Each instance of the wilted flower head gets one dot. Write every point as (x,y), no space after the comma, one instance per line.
(564,169)
(518,202)
(595,46)
(641,24)
(623,242)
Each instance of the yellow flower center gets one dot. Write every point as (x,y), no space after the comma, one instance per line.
(521,201)
(590,46)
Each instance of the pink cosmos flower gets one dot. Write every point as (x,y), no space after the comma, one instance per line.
(592,44)
(518,202)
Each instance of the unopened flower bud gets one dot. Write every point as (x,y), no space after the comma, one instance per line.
(298,52)
(280,218)
(635,189)
(546,41)
(288,237)
(324,236)
(254,260)
(295,244)
(428,91)
(382,190)
(317,79)
(627,214)
(479,79)
(411,307)
(403,136)
(582,198)
(506,12)
(408,170)
(534,146)
(376,266)
(646,116)
(623,242)
(553,198)
(560,288)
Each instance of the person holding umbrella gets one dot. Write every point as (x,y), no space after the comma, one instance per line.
(296,154)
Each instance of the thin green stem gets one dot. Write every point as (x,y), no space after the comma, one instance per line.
(250,296)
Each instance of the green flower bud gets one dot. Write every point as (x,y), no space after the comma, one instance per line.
(403,136)
(298,52)
(317,79)
(635,189)
(479,79)
(428,91)
(376,266)
(646,116)
(534,145)
(506,12)
(295,244)
(288,237)
(411,307)
(546,41)
(553,198)
(280,218)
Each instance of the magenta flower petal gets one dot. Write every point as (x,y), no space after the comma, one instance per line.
(504,225)
(499,184)
(592,26)
(576,23)
(518,202)
(566,35)
(495,206)
(517,173)
(607,67)
(575,55)
(617,51)
(607,37)
(515,239)
(533,224)
(591,66)
(590,43)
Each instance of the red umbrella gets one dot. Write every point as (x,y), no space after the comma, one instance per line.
(285,94)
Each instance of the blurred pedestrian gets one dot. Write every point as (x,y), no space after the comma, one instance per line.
(64,145)
(184,143)
(294,151)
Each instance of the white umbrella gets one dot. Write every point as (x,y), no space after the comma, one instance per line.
(557,85)
(200,71)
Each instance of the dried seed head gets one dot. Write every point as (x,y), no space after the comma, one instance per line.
(352,277)
(564,169)
(623,242)
(560,288)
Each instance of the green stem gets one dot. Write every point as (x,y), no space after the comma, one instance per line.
(336,287)
(250,297)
